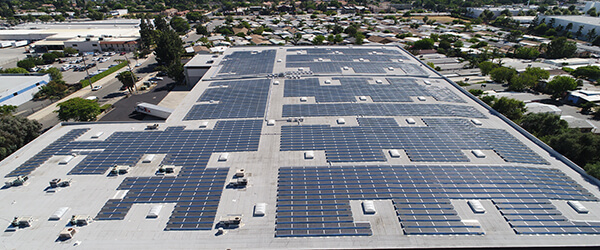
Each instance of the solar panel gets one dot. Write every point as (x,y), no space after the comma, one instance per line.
(421,195)
(248,63)
(379,109)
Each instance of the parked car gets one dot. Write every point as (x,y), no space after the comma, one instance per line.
(156,78)
(97,87)
(123,53)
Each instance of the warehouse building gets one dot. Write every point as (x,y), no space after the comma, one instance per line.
(296,148)
(16,89)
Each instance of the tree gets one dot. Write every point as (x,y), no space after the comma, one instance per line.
(425,43)
(561,84)
(560,47)
(146,34)
(543,124)
(201,30)
(78,109)
(16,70)
(49,57)
(511,108)
(70,51)
(180,25)
(16,132)
(168,47)
(175,71)
(502,74)
(587,72)
(194,16)
(127,79)
(54,90)
(527,53)
(318,40)
(160,24)
(95,15)
(26,64)
(581,148)
(7,109)
(593,169)
(338,38)
(514,35)
(55,73)
(360,38)
(521,81)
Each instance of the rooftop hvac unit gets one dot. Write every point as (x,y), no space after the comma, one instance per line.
(320,59)
(231,220)
(270,122)
(391,68)
(362,98)
(577,206)
(152,126)
(240,182)
(204,124)
(260,209)
(395,153)
(341,121)
(224,157)
(16,181)
(303,99)
(379,81)
(166,169)
(369,207)
(327,81)
(309,155)
(410,121)
(81,220)
(422,98)
(148,158)
(58,213)
(361,59)
(67,233)
(276,83)
(278,60)
(154,211)
(346,68)
(22,221)
(119,169)
(66,159)
(476,206)
(54,182)
(97,135)
(240,173)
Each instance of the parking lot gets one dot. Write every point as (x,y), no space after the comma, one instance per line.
(73,68)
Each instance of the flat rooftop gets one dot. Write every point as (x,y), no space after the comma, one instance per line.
(341,147)
(13,81)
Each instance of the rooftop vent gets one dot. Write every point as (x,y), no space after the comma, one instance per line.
(410,121)
(203,124)
(58,213)
(346,68)
(148,158)
(476,206)
(327,81)
(240,172)
(391,68)
(478,153)
(369,207)
(378,81)
(276,83)
(154,211)
(341,121)
(224,157)
(97,135)
(395,153)
(260,209)
(476,122)
(427,82)
(422,98)
(270,122)
(303,99)
(66,159)
(577,206)
(362,98)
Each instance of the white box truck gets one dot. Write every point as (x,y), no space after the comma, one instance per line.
(153,110)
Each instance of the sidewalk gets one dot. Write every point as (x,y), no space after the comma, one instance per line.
(49,110)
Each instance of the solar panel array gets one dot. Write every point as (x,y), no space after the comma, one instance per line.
(42,156)
(359,67)
(248,63)
(348,51)
(334,60)
(399,90)
(196,197)
(379,109)
(239,99)
(314,201)
(434,143)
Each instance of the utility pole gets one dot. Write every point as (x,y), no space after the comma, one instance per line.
(86,70)
(132,78)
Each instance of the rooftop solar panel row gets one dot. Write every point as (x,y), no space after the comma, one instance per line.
(421,195)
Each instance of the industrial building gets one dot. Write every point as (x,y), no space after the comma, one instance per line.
(582,23)
(16,89)
(296,148)
(90,36)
